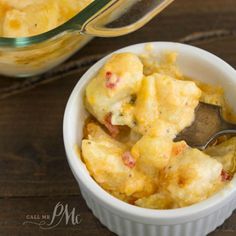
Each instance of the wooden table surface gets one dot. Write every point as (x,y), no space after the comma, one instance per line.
(34,174)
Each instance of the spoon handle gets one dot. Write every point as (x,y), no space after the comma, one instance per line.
(228,128)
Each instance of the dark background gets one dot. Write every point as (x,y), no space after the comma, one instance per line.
(34,174)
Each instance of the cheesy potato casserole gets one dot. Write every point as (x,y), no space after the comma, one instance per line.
(23,18)
(26,18)
(138,105)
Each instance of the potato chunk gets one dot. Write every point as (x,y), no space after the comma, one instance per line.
(156,201)
(152,153)
(177,100)
(146,108)
(165,105)
(191,177)
(113,86)
(103,158)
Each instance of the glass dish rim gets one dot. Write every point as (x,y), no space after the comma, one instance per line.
(75,24)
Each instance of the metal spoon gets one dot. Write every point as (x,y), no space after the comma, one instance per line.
(207,127)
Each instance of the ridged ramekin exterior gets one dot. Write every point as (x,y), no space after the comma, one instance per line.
(125,227)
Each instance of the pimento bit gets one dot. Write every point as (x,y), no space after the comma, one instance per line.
(113,129)
(128,159)
(225,176)
(111,80)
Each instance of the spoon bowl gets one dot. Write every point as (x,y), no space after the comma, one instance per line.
(207,127)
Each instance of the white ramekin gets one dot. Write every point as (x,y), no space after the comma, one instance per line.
(125,219)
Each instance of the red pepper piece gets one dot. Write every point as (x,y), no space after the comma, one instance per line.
(128,159)
(225,176)
(111,80)
(113,129)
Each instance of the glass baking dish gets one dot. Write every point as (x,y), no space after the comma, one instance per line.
(22,57)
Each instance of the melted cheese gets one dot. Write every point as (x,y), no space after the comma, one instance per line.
(22,18)
(152,101)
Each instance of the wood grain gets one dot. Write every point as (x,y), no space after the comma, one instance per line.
(11,222)
(34,174)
